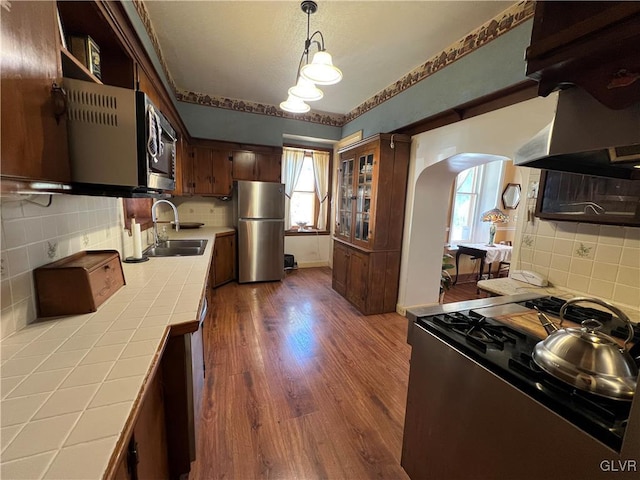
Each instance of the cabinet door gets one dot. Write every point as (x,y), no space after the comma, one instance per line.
(269,167)
(244,165)
(363,213)
(340,270)
(344,214)
(222,170)
(146,85)
(357,279)
(198,372)
(150,435)
(34,144)
(202,170)
(224,258)
(183,168)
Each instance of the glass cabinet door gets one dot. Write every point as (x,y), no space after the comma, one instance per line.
(364,187)
(345,203)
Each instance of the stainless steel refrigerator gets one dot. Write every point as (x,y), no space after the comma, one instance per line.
(259,218)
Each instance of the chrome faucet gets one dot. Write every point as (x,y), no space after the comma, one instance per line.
(154,218)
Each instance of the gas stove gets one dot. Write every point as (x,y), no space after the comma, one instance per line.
(507,353)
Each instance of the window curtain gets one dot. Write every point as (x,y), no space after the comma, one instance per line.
(321,174)
(291,167)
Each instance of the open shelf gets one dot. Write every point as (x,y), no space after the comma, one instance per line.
(72,68)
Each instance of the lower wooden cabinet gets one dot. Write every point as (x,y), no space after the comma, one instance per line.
(369,280)
(223,269)
(146,452)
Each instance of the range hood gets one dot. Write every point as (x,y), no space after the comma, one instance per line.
(588,138)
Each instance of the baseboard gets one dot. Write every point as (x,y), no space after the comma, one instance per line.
(313,264)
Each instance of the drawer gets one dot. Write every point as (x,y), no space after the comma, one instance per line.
(79,283)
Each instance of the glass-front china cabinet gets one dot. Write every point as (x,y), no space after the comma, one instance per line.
(372,181)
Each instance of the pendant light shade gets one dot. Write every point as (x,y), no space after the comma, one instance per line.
(294,105)
(321,70)
(306,90)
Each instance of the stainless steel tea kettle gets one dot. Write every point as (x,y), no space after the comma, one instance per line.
(587,358)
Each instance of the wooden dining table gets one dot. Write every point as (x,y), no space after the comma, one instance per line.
(486,253)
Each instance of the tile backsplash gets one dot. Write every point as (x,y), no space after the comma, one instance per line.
(211,211)
(34,234)
(595,260)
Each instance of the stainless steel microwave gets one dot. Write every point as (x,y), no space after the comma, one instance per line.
(118,138)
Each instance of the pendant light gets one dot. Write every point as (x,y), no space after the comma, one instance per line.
(320,71)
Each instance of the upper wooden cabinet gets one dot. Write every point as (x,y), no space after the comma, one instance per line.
(102,21)
(260,166)
(211,169)
(590,44)
(372,183)
(34,130)
(184,169)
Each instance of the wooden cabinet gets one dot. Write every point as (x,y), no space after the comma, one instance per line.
(590,44)
(103,22)
(269,166)
(184,169)
(583,198)
(369,280)
(202,170)
(34,131)
(244,165)
(211,171)
(146,451)
(183,382)
(340,268)
(372,182)
(257,165)
(223,269)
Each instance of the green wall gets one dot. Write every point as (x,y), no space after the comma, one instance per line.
(495,66)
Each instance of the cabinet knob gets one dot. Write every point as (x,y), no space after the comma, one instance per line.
(59,101)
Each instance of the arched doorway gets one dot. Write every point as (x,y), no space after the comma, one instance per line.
(437,157)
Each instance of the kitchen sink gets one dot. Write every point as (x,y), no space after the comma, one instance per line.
(177,248)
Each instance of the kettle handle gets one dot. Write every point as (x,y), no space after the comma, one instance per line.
(606,305)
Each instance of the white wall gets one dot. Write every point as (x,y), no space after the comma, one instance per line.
(309,250)
(437,157)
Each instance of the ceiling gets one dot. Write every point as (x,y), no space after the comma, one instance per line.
(249,50)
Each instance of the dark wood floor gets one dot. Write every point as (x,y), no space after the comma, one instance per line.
(300,385)
(462,291)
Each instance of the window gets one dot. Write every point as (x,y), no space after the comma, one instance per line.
(476,191)
(304,199)
(306,176)
(464,205)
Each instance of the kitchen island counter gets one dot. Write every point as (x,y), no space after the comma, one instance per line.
(71,385)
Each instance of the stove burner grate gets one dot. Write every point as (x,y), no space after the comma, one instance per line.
(477,331)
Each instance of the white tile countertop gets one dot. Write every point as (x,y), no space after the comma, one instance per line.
(509,286)
(69,384)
